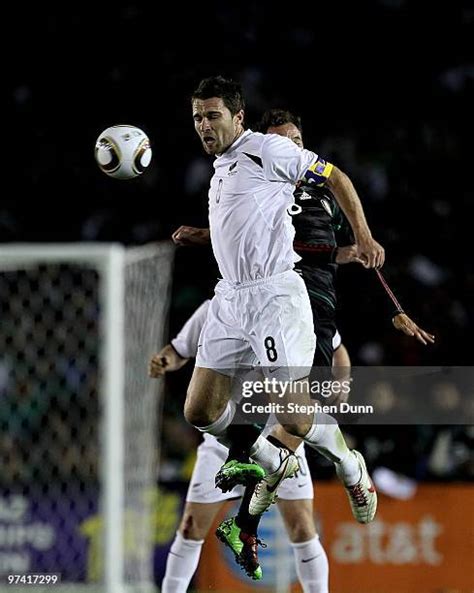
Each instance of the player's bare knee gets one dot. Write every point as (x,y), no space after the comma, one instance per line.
(207,397)
(301,531)
(299,520)
(297,429)
(195,414)
(196,411)
(202,411)
(190,528)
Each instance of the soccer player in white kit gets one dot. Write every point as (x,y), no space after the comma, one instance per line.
(261,308)
(204,500)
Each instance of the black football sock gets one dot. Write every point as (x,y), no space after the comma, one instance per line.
(248,523)
(241,437)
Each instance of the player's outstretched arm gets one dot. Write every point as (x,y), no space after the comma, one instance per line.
(165,361)
(371,252)
(400,320)
(189,235)
(405,324)
(183,347)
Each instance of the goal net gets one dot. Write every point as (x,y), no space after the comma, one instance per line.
(79,416)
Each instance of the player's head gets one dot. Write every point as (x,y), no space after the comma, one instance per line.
(218,112)
(283,123)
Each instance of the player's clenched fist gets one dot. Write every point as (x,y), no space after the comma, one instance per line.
(370,252)
(189,235)
(166,360)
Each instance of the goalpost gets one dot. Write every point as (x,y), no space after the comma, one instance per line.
(79,415)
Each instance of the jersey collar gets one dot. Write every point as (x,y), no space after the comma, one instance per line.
(236,144)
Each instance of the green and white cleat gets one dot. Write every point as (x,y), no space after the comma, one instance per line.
(265,492)
(244,547)
(236,472)
(362,496)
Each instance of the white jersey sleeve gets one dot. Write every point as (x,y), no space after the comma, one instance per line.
(186,342)
(282,160)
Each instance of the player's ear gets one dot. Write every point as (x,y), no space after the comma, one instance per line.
(239,117)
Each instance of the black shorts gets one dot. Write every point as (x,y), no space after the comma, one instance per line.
(320,283)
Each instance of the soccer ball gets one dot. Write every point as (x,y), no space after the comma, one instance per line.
(123,151)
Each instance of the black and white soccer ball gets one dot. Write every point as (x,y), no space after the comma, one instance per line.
(123,152)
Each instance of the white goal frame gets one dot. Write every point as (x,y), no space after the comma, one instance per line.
(109,259)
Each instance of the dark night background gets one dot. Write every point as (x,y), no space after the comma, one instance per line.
(385,90)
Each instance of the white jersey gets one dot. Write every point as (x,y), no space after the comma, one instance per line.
(186,342)
(251,190)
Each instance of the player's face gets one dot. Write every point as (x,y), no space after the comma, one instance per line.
(288,130)
(216,126)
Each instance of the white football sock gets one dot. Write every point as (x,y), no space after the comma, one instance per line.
(218,427)
(181,564)
(326,437)
(266,454)
(311,566)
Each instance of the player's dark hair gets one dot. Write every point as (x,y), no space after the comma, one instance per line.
(278,117)
(224,88)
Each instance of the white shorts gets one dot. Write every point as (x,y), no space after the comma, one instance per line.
(268,321)
(336,340)
(211,455)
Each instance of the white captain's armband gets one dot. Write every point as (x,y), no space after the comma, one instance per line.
(318,172)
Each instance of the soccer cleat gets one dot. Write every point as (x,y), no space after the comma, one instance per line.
(265,492)
(243,545)
(362,496)
(249,556)
(235,472)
